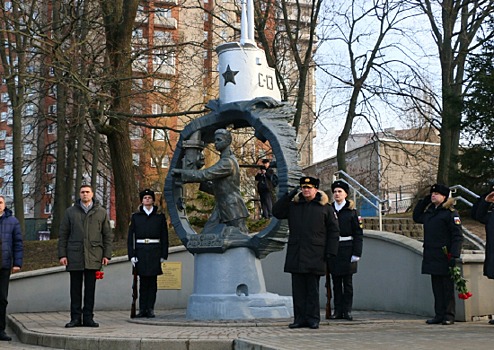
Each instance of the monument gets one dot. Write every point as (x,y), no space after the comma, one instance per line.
(228,277)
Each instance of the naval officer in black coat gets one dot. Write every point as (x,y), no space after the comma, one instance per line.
(147,246)
(312,241)
(442,228)
(349,251)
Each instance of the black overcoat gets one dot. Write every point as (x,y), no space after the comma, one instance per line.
(442,228)
(313,234)
(350,226)
(149,255)
(483,212)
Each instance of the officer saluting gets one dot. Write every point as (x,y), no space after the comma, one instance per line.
(442,228)
(147,248)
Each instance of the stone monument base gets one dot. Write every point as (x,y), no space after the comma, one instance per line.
(234,307)
(231,286)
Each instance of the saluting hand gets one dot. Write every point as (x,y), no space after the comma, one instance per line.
(490,197)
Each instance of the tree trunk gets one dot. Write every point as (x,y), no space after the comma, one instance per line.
(119,17)
(123,175)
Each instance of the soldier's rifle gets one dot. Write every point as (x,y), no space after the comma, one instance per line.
(328,292)
(135,282)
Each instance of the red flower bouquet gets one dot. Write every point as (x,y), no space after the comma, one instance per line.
(100,274)
(460,282)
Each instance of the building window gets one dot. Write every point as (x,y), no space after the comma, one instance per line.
(51,149)
(3,134)
(5,97)
(135,132)
(159,135)
(162,13)
(27,129)
(29,109)
(48,188)
(137,33)
(163,57)
(3,116)
(53,91)
(27,169)
(48,208)
(25,188)
(52,128)
(50,168)
(165,162)
(135,159)
(52,109)
(162,37)
(28,148)
(2,154)
(8,190)
(162,85)
(158,109)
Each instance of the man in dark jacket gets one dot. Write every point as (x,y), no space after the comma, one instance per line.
(483,211)
(84,245)
(312,241)
(442,228)
(147,248)
(349,251)
(11,255)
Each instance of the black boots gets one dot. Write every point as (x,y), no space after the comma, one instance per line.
(4,336)
(146,313)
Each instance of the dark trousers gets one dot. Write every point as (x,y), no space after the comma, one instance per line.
(4,293)
(305,292)
(77,279)
(443,288)
(343,293)
(266,204)
(148,286)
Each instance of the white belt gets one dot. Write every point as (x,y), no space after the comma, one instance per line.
(147,240)
(347,238)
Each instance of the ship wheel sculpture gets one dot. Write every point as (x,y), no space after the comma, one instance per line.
(271,121)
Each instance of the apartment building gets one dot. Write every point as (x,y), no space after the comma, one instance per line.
(174,70)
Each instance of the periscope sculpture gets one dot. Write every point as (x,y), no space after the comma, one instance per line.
(228,277)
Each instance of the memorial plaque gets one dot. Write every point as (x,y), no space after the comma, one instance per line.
(172,275)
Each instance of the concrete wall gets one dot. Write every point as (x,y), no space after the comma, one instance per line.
(388,279)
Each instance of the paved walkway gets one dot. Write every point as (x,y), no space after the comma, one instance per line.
(170,330)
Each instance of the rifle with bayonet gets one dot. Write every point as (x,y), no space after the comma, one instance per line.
(328,292)
(135,281)
(134,293)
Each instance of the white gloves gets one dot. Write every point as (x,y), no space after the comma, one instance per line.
(354,258)
(133,261)
(162,260)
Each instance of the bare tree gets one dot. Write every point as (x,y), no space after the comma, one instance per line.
(15,24)
(454,25)
(367,30)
